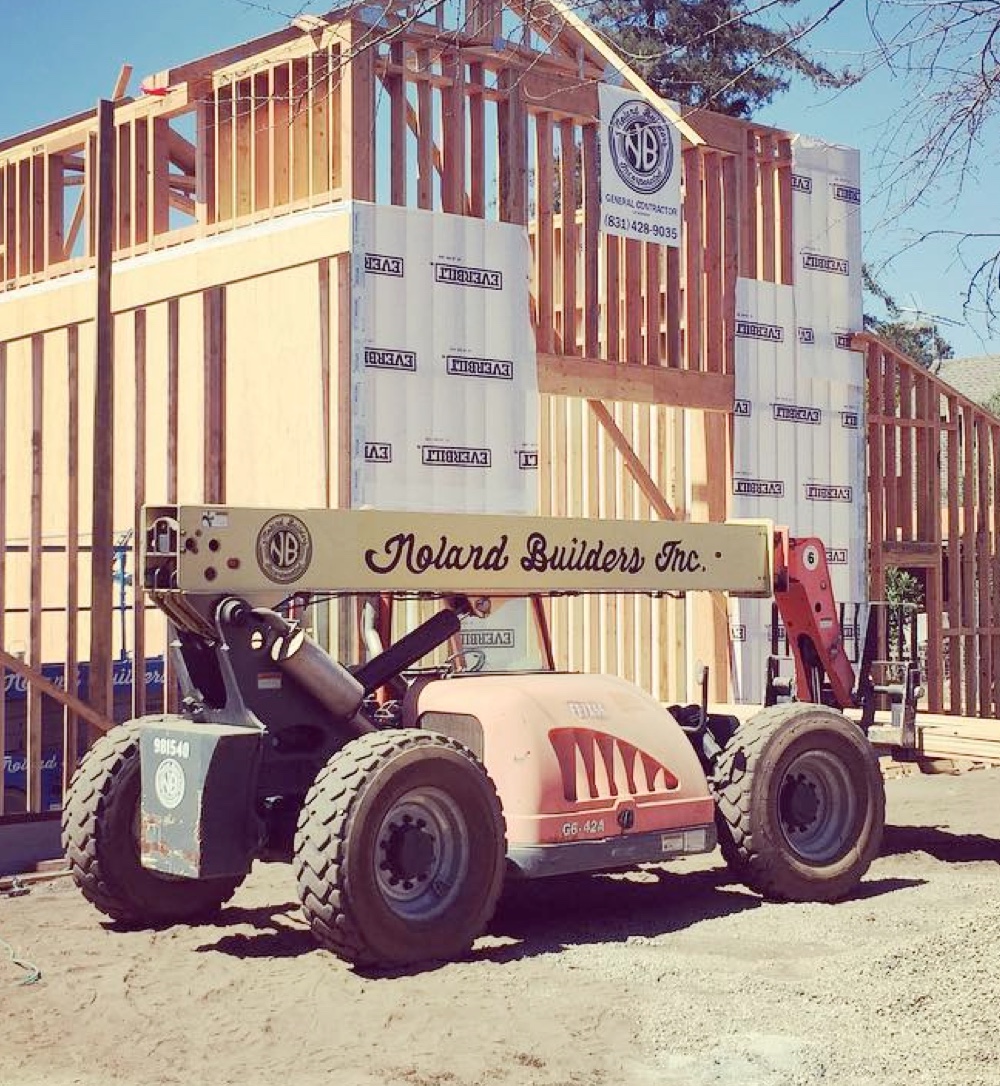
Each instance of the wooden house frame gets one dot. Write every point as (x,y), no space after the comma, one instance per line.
(118,346)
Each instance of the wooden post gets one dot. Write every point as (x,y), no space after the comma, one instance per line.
(325,355)
(512,148)
(170,689)
(3,552)
(395,84)
(33,737)
(477,141)
(591,239)
(693,259)
(214,318)
(139,497)
(102,555)
(453,136)
(357,116)
(971,691)
(544,234)
(954,559)
(71,720)
(568,171)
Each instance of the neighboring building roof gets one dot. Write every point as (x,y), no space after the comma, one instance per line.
(977,378)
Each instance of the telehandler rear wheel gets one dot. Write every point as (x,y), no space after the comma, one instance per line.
(800,803)
(400,849)
(100,836)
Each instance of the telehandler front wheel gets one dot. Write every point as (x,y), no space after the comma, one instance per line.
(100,837)
(800,803)
(400,850)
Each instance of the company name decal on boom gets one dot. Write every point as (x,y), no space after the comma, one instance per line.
(801,183)
(761,488)
(497,368)
(817,492)
(789,412)
(405,550)
(390,359)
(487,639)
(457,275)
(379,264)
(834,265)
(284,549)
(378,452)
(455,456)
(773,333)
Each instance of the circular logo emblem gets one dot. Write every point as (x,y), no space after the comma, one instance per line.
(169,783)
(642,146)
(284,549)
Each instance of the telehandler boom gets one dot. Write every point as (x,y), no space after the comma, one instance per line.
(405,795)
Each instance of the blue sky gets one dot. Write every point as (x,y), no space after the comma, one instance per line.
(930,276)
(59,56)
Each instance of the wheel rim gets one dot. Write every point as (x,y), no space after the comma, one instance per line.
(817,807)
(421,854)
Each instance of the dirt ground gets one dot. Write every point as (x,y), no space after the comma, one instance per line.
(674,976)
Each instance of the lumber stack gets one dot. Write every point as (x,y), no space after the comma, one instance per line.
(946,737)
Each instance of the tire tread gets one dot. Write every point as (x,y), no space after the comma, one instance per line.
(92,791)
(732,785)
(325,823)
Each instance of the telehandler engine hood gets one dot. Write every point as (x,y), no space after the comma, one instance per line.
(588,761)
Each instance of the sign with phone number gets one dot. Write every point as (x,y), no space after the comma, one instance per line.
(640,169)
(641,228)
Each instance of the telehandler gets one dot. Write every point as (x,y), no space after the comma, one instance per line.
(404,796)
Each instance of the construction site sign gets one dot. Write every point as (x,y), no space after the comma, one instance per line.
(640,168)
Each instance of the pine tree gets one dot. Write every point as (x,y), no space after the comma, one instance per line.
(920,340)
(712,53)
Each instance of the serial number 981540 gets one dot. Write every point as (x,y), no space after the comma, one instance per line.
(173,748)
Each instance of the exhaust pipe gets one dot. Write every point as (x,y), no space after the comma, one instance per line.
(331,684)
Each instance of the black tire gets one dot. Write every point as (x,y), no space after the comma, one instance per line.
(100,836)
(400,850)
(800,803)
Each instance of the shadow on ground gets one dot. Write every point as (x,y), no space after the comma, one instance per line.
(545,916)
(279,931)
(939,843)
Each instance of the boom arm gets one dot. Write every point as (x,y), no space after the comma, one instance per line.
(805,602)
(201,551)
(227,550)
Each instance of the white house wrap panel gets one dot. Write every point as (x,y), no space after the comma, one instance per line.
(799,426)
(444,389)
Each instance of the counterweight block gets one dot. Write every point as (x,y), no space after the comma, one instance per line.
(197,816)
